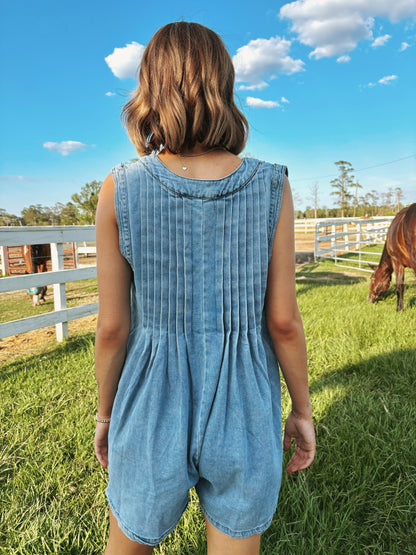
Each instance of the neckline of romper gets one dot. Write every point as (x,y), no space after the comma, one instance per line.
(204,189)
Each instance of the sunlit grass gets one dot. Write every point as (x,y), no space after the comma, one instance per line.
(17,304)
(357,497)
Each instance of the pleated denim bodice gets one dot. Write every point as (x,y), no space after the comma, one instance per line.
(199,248)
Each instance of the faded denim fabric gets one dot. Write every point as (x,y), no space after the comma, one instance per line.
(198,401)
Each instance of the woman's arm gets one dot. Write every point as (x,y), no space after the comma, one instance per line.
(114,278)
(286,330)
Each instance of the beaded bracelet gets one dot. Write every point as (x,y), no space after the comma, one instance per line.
(102,419)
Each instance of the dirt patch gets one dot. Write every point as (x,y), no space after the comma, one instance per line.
(304,241)
(41,340)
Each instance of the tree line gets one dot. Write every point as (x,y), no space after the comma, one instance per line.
(350,200)
(81,211)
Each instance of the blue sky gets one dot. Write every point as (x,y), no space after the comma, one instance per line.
(319,81)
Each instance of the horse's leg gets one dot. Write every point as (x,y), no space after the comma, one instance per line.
(41,268)
(42,294)
(399,271)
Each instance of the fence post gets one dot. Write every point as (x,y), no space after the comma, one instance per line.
(76,255)
(345,230)
(333,232)
(59,294)
(379,231)
(4,266)
(359,245)
(316,253)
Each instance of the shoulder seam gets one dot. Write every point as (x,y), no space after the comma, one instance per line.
(277,184)
(121,206)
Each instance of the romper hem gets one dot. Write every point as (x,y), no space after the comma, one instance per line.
(140,539)
(236,533)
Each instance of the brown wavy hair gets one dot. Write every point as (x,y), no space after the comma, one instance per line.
(185,94)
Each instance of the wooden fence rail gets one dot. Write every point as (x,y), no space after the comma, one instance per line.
(56,236)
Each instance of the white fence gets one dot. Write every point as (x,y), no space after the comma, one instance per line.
(335,238)
(56,236)
(308,225)
(305,225)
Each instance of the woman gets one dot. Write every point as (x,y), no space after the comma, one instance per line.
(196,280)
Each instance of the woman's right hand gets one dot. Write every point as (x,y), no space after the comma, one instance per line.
(302,431)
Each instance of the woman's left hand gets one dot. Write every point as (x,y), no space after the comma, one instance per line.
(302,431)
(101,443)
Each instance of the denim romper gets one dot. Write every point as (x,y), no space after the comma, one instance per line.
(198,400)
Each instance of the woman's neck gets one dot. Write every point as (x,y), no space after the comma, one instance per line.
(200,162)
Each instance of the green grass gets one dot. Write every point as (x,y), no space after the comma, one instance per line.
(17,304)
(357,497)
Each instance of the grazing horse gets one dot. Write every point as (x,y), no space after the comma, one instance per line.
(36,258)
(399,252)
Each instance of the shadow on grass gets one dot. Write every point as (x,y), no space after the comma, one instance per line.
(324,276)
(388,370)
(308,278)
(358,496)
(66,348)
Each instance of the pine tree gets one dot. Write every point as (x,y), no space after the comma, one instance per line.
(357,186)
(341,186)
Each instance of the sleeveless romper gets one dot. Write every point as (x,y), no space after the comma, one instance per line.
(198,400)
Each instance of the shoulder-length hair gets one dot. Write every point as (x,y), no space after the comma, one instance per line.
(185,94)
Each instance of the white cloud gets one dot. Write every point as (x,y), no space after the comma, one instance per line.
(380,41)
(404,46)
(258,103)
(283,99)
(109,93)
(124,62)
(334,27)
(258,86)
(343,59)
(65,147)
(263,57)
(383,81)
(386,80)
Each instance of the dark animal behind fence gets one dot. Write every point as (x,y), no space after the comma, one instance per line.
(36,259)
(399,252)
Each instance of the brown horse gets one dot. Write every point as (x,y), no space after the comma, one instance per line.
(36,258)
(399,252)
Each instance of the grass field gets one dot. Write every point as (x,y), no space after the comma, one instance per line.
(359,496)
(16,304)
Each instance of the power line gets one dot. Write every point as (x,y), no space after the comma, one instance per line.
(359,170)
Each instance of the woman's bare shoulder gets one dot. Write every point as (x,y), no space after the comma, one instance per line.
(106,205)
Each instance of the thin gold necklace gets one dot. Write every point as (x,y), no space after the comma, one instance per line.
(185,168)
